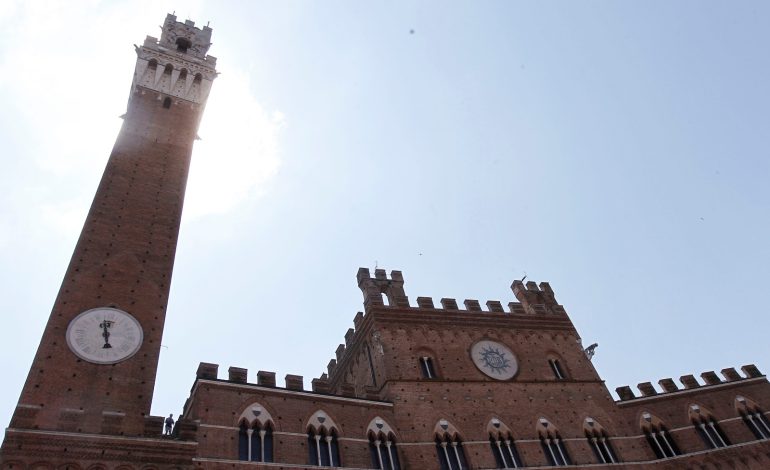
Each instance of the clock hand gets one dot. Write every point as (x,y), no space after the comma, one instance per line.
(105,324)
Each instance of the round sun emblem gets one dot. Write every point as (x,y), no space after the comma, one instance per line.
(494,360)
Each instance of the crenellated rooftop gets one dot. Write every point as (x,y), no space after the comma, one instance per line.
(532,298)
(383,291)
(689,382)
(267,379)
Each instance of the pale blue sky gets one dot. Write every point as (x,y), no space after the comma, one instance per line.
(617,150)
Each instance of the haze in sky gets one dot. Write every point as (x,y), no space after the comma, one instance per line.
(617,150)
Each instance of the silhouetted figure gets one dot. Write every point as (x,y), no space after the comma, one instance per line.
(169,424)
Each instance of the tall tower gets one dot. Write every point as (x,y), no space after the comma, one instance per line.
(94,371)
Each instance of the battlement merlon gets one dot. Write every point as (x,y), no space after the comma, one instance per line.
(536,299)
(185,37)
(374,287)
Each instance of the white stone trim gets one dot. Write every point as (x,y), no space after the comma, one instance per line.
(270,464)
(80,436)
(518,440)
(217,426)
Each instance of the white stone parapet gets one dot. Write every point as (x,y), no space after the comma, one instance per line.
(177,64)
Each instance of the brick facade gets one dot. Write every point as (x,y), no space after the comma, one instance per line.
(413,386)
(353,394)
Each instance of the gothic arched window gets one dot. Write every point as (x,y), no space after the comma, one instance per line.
(255,435)
(451,455)
(323,449)
(599,442)
(660,440)
(382,445)
(255,443)
(502,444)
(754,417)
(383,452)
(707,427)
(553,445)
(449,447)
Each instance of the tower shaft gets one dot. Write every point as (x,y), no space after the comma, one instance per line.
(124,257)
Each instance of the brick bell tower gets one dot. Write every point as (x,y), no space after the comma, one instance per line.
(94,371)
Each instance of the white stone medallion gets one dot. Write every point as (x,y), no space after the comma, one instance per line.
(495,360)
(104,335)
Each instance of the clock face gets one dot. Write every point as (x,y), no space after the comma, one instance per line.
(104,335)
(495,360)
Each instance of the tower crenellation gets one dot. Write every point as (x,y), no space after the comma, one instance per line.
(375,287)
(176,65)
(185,37)
(536,299)
(384,291)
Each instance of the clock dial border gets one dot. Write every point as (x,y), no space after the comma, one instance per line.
(494,359)
(75,350)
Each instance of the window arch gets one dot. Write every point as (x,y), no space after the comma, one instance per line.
(553,445)
(255,434)
(707,427)
(167,103)
(382,445)
(557,367)
(599,441)
(502,444)
(427,368)
(427,364)
(753,416)
(660,440)
(323,448)
(449,447)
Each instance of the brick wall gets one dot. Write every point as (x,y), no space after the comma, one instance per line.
(123,259)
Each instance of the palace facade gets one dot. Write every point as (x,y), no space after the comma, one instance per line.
(416,385)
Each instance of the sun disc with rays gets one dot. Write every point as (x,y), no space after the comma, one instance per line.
(495,360)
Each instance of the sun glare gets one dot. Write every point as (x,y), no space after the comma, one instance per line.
(238,151)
